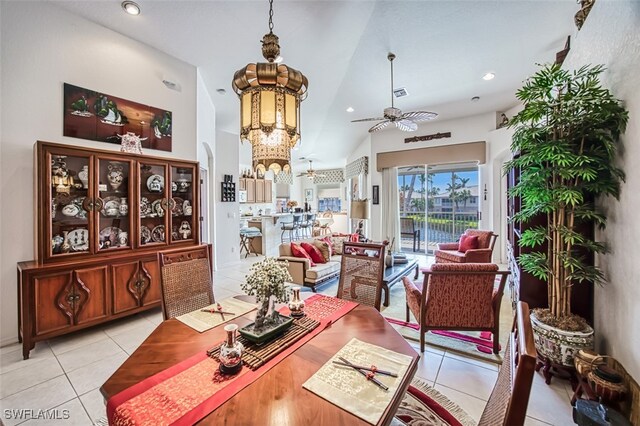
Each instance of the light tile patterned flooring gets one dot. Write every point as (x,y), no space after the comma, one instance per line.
(66,373)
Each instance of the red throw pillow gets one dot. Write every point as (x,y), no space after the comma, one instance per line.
(314,252)
(468,242)
(298,251)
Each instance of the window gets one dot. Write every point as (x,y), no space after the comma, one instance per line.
(329,198)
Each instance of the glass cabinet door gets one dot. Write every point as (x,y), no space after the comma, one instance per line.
(183,186)
(70,229)
(113,203)
(153,205)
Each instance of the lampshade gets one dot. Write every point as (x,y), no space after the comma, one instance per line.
(270,96)
(359,209)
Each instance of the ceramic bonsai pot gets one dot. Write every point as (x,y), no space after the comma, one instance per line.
(269,332)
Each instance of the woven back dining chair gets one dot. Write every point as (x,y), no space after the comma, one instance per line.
(186,280)
(361,273)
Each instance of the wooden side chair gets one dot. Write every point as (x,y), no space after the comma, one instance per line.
(408,229)
(361,273)
(457,296)
(507,405)
(186,280)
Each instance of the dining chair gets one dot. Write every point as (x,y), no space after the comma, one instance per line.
(507,404)
(325,226)
(457,296)
(408,229)
(361,273)
(186,280)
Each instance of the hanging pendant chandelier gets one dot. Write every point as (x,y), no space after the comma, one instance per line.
(270,96)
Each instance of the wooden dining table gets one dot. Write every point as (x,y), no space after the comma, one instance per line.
(277,397)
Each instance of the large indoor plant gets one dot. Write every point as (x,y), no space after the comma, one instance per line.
(566,139)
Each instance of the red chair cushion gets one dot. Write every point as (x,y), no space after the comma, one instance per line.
(298,251)
(314,253)
(468,242)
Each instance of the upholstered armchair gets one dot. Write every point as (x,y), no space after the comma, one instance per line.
(457,296)
(451,252)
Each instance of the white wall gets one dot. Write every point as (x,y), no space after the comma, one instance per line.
(468,129)
(206,136)
(611,36)
(227,239)
(43,47)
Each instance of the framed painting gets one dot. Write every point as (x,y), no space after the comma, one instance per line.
(95,116)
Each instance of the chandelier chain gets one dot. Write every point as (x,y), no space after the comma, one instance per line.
(270,16)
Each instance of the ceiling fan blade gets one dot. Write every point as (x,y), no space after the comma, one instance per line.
(367,119)
(406,125)
(417,116)
(379,126)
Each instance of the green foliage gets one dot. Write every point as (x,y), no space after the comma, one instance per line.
(566,137)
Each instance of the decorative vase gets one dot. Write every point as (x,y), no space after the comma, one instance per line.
(388,259)
(559,346)
(231,352)
(56,243)
(185,230)
(115,175)
(65,247)
(83,175)
(296,305)
(124,207)
(123,239)
(186,208)
(130,142)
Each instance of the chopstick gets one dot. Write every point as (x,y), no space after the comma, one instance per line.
(369,376)
(375,370)
(213,311)
(219,306)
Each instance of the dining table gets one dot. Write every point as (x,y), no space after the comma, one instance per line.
(277,397)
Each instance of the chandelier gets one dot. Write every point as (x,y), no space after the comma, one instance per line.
(270,96)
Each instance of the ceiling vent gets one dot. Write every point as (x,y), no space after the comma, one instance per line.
(401,92)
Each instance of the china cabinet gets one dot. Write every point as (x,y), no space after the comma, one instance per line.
(102,217)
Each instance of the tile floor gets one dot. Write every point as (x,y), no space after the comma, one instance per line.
(66,373)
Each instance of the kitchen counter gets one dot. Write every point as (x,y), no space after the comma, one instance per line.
(270,226)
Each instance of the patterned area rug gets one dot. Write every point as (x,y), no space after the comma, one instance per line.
(424,406)
(468,343)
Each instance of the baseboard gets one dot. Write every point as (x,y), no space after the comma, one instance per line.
(8,341)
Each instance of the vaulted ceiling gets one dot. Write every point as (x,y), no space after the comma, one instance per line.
(443,49)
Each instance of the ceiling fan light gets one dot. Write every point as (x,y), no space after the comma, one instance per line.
(131,7)
(488,76)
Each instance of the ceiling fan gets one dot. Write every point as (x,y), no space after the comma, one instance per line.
(310,173)
(405,122)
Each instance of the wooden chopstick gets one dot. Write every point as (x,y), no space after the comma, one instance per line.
(213,311)
(373,379)
(385,373)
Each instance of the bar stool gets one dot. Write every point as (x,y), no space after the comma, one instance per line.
(246,239)
(306,224)
(292,227)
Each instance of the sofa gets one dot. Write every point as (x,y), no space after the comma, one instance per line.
(301,270)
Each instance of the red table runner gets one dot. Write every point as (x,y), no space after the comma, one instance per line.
(189,391)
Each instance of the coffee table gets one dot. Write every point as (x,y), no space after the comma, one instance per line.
(394,274)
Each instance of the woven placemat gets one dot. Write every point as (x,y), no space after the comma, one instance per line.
(255,355)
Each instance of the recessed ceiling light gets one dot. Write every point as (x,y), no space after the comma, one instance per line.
(221,91)
(475,99)
(488,76)
(350,109)
(131,7)
(278,59)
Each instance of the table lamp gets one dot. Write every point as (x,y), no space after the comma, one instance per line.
(359,211)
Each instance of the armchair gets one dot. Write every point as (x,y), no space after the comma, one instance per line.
(448,252)
(457,297)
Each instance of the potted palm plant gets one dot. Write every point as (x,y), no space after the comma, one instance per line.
(566,136)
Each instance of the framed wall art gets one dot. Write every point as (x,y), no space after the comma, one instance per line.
(375,194)
(96,116)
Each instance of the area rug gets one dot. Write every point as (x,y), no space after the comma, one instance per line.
(424,406)
(468,343)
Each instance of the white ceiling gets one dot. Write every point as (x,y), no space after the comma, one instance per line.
(443,49)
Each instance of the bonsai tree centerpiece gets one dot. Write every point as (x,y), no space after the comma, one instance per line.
(266,281)
(567,137)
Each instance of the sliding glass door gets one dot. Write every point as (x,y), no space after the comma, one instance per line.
(437,203)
